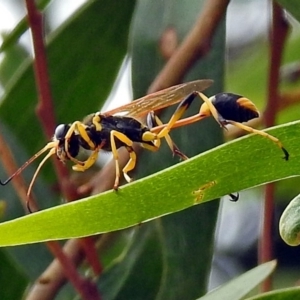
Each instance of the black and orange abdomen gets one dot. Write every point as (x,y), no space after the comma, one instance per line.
(234,107)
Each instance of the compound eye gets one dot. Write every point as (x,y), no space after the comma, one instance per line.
(60,131)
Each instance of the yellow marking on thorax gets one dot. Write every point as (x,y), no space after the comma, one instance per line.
(96,121)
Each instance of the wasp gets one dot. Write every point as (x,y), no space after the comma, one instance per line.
(108,131)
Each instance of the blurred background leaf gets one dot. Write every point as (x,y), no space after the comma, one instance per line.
(238,288)
(292,7)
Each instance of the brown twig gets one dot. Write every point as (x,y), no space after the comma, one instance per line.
(288,99)
(278,37)
(196,44)
(86,288)
(45,110)
(54,277)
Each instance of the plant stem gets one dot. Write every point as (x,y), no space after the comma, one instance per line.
(278,37)
(45,112)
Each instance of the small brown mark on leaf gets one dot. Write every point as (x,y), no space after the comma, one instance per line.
(199,193)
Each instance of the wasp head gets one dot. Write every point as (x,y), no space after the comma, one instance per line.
(60,136)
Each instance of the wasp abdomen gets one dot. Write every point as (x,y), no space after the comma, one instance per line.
(235,107)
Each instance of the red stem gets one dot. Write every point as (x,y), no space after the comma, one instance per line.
(45,112)
(44,109)
(85,288)
(278,37)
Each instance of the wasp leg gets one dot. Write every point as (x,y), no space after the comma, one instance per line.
(80,127)
(76,161)
(207,109)
(233,197)
(131,163)
(156,143)
(82,166)
(180,110)
(149,136)
(262,133)
(152,121)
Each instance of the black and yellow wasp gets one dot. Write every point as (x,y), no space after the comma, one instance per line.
(108,131)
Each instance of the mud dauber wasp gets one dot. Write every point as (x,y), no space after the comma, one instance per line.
(108,131)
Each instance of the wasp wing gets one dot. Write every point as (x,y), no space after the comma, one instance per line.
(161,99)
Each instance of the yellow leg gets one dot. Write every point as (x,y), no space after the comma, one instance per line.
(207,109)
(131,163)
(154,147)
(80,127)
(88,163)
(182,107)
(123,138)
(74,160)
(171,144)
(262,133)
(84,165)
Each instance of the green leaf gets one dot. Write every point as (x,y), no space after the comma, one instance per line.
(289,225)
(168,191)
(239,287)
(282,294)
(9,271)
(12,60)
(127,267)
(292,6)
